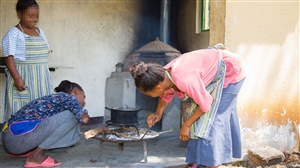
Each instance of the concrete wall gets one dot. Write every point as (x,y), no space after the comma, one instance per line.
(266,35)
(188,39)
(2,93)
(217,22)
(270,48)
(88,38)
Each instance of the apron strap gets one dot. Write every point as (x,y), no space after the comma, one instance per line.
(201,127)
(169,76)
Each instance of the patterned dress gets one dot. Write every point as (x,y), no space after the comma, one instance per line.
(33,70)
(49,122)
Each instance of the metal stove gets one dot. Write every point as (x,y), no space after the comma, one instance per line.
(123,133)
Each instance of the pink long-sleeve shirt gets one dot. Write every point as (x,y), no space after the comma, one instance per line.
(193,71)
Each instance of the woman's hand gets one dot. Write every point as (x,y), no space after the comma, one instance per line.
(153,118)
(85,118)
(184,133)
(185,128)
(19,84)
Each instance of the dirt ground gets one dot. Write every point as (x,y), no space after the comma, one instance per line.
(162,152)
(292,160)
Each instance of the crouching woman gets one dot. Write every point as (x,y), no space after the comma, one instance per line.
(48,122)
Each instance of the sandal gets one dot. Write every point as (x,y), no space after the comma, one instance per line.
(191,165)
(49,162)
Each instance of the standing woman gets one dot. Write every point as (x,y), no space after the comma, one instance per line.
(212,78)
(25,49)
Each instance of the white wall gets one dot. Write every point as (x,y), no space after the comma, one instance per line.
(266,36)
(87,38)
(2,93)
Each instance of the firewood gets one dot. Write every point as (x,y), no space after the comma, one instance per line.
(94,132)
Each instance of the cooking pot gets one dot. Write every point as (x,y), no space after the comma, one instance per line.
(124,115)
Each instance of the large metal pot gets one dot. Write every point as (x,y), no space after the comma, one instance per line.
(124,115)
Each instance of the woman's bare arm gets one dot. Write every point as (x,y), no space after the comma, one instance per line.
(11,66)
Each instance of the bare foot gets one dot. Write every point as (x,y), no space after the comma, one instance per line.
(37,156)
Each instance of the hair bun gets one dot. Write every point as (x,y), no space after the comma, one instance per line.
(63,84)
(138,69)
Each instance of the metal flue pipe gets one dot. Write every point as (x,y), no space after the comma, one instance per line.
(165,21)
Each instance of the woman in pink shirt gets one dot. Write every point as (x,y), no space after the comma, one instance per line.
(212,78)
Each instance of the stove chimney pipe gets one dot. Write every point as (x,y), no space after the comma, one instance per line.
(165,21)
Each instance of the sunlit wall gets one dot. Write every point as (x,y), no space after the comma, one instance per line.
(266,36)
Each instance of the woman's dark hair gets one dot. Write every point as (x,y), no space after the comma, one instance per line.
(67,86)
(22,5)
(147,76)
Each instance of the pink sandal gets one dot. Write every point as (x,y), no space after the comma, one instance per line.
(192,166)
(49,162)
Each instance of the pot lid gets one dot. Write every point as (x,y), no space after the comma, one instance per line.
(123,108)
(157,47)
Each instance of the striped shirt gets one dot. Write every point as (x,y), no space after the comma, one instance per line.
(13,43)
